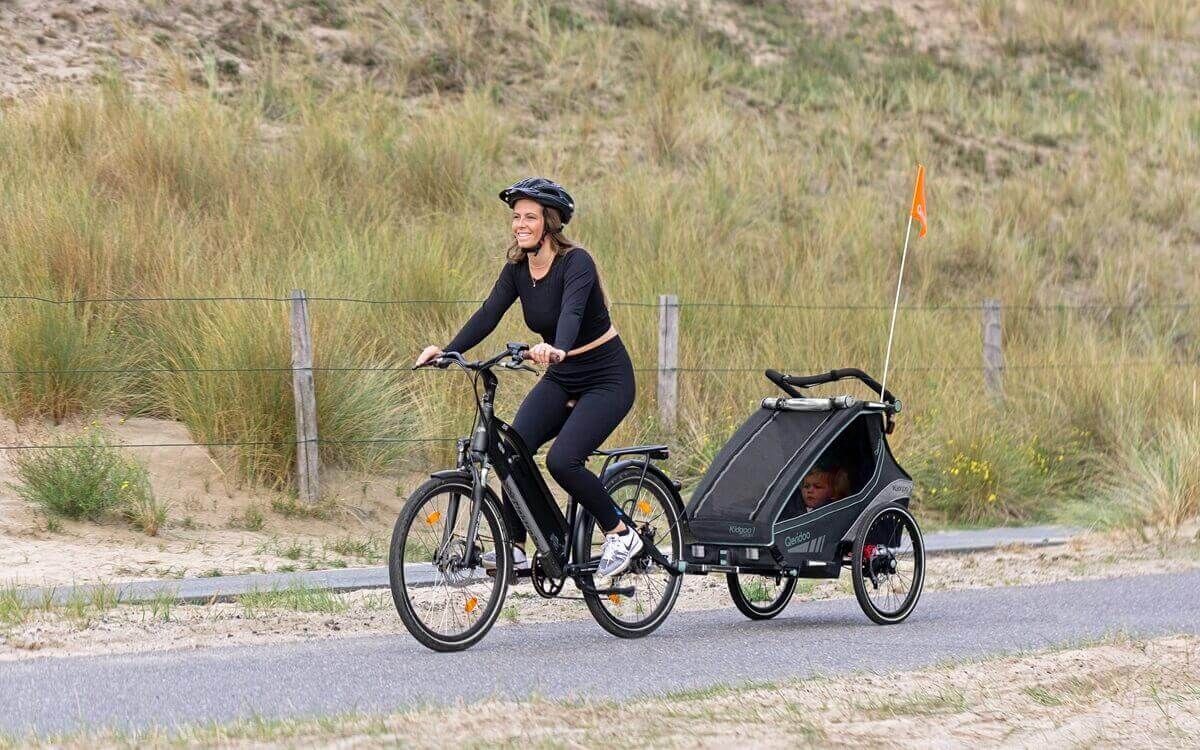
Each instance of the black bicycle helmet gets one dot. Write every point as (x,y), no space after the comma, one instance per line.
(545,192)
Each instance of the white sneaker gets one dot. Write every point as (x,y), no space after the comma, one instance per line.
(520,561)
(618,552)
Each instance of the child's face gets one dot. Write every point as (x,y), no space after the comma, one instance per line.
(817,489)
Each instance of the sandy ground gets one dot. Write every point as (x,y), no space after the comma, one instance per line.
(96,625)
(1115,693)
(164,45)
(207,518)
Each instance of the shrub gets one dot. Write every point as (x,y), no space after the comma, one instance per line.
(87,479)
(991,472)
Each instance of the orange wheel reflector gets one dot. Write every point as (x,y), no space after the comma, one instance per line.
(644,506)
(472,603)
(614,598)
(433,517)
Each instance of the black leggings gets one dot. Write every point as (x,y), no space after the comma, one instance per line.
(601,382)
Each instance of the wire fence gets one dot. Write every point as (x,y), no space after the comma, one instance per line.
(404,369)
(1056,306)
(949,367)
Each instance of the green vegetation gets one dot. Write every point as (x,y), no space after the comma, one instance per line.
(1156,485)
(755,155)
(88,480)
(251,519)
(756,589)
(371,549)
(297,598)
(159,606)
(949,701)
(12,606)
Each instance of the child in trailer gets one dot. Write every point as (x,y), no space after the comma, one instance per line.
(826,483)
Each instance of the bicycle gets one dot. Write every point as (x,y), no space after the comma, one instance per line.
(435,562)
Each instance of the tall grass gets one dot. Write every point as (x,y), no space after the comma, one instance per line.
(1154,485)
(56,356)
(1059,172)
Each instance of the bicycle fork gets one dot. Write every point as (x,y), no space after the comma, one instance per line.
(445,551)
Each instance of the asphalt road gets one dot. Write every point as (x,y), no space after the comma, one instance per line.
(691,650)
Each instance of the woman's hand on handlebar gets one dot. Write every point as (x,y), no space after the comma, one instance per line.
(545,354)
(427,354)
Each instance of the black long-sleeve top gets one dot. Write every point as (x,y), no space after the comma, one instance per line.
(565,306)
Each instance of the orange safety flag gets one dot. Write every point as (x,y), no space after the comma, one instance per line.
(918,206)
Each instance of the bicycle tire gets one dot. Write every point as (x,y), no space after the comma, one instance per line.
(491,523)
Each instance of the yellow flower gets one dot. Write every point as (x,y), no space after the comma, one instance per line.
(992,498)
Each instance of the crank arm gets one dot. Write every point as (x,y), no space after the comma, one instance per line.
(656,556)
(578,569)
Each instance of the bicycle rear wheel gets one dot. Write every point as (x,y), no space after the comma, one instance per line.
(441,592)
(656,516)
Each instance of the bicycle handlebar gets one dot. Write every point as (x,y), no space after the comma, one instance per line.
(517,353)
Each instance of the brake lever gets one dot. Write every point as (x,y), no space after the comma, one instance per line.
(513,365)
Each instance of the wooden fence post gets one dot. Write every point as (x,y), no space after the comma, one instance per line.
(993,354)
(668,359)
(307,464)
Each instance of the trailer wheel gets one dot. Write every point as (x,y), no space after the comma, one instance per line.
(760,597)
(888,564)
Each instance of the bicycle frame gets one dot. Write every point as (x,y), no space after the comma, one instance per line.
(494,444)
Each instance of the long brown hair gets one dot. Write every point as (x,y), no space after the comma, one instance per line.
(560,243)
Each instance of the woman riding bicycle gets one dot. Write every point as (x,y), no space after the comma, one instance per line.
(587,365)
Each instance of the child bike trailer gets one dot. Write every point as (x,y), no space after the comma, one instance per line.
(747,517)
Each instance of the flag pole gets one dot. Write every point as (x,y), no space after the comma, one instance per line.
(895,307)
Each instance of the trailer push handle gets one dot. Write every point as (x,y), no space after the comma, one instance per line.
(804,381)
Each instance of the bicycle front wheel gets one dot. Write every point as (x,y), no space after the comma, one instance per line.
(439,586)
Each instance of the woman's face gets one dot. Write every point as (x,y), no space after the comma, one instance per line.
(817,489)
(527,223)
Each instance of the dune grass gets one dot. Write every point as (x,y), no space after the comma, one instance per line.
(770,166)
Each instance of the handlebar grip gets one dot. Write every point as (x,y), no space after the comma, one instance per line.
(780,380)
(555,359)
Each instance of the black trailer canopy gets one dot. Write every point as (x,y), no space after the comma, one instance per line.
(758,470)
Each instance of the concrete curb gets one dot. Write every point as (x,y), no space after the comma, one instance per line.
(229,588)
